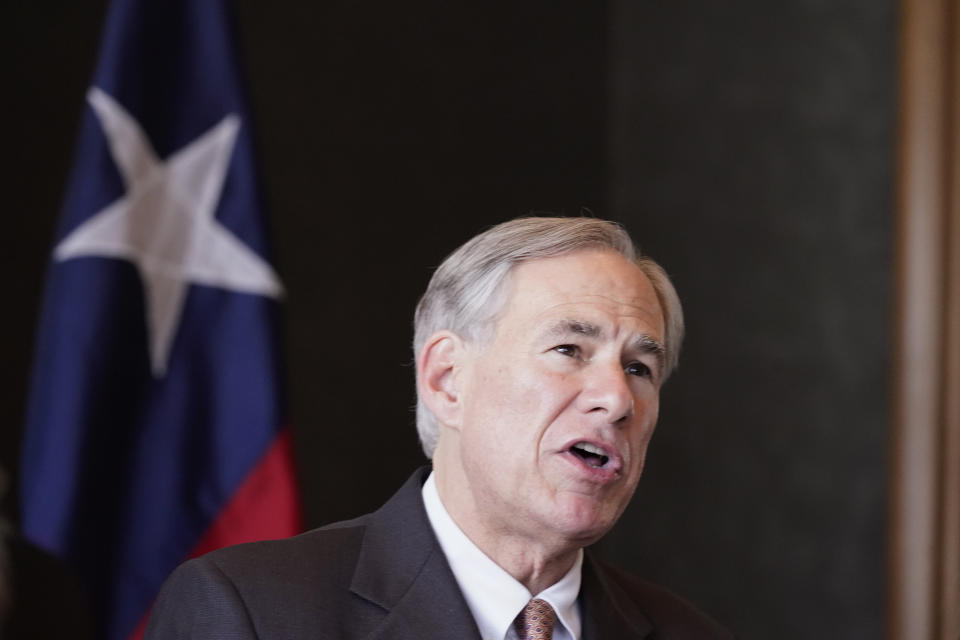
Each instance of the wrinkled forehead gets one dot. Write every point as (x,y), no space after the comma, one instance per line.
(595,286)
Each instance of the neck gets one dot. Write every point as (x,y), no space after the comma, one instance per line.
(535,561)
(534,568)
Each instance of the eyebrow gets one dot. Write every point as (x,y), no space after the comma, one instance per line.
(642,343)
(646,344)
(566,327)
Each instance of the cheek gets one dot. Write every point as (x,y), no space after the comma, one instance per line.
(512,407)
(515,391)
(492,407)
(648,410)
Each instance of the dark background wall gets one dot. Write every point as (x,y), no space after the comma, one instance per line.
(750,145)
(747,146)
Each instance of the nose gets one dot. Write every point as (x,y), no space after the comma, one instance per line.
(606,391)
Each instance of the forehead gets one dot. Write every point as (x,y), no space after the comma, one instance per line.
(597,286)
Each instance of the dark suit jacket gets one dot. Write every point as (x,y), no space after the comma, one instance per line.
(381,576)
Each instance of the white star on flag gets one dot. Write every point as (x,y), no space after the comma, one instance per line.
(164,223)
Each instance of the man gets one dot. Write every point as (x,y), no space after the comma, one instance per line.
(541,346)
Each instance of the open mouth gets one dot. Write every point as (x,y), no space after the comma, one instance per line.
(591,454)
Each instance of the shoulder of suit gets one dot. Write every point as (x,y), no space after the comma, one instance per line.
(672,615)
(315,555)
(263,589)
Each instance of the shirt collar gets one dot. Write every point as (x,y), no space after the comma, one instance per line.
(493,595)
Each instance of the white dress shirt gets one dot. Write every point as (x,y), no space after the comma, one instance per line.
(495,598)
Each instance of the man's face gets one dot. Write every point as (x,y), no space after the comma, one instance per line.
(559,407)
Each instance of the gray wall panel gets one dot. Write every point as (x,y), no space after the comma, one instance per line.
(750,149)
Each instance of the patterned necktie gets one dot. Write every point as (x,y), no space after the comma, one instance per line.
(536,620)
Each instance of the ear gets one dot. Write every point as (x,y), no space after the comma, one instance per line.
(438,364)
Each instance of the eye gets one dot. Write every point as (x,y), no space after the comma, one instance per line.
(569,350)
(638,369)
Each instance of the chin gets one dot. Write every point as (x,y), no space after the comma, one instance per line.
(585,520)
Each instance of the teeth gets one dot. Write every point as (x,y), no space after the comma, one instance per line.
(589,448)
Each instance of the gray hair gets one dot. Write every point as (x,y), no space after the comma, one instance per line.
(466,292)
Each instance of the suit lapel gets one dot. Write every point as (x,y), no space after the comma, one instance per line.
(402,569)
(608,612)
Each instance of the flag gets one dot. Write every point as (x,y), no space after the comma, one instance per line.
(155,429)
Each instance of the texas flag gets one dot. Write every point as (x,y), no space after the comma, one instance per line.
(155,428)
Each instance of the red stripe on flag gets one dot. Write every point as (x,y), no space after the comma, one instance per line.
(266,506)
